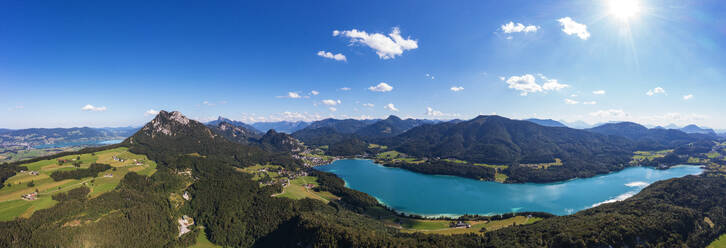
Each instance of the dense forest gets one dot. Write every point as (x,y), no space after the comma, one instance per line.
(443,167)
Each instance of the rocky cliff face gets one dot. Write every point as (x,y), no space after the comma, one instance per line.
(173,124)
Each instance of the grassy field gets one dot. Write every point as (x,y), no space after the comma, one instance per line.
(12,206)
(649,155)
(719,243)
(377,146)
(493,166)
(255,170)
(713,155)
(442,226)
(456,161)
(500,177)
(296,190)
(394,156)
(389,155)
(202,241)
(544,166)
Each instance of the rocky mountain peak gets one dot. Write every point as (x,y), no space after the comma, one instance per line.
(166,122)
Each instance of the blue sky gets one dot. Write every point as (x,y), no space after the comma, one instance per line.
(104,63)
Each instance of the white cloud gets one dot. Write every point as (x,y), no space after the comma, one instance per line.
(570,101)
(610,114)
(370,105)
(552,84)
(571,27)
(208,103)
(329,55)
(528,84)
(291,94)
(345,89)
(381,87)
(656,90)
(90,107)
(151,112)
(429,76)
(387,47)
(332,109)
(590,103)
(457,88)
(314,92)
(331,102)
(391,107)
(525,83)
(432,112)
(511,27)
(599,92)
(688,97)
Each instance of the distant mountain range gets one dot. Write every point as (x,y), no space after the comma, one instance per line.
(271,141)
(546,122)
(248,127)
(281,126)
(43,136)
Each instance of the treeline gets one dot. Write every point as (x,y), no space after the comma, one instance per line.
(442,167)
(8,171)
(351,199)
(92,171)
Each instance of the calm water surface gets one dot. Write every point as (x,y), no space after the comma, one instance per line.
(433,195)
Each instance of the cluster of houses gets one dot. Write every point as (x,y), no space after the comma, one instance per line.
(30,197)
(186,196)
(186,172)
(108,175)
(117,159)
(32,173)
(312,161)
(459,224)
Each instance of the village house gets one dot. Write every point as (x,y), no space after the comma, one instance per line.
(186,196)
(459,224)
(184,223)
(108,175)
(31,197)
(34,173)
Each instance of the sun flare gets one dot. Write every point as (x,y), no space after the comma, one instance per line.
(624,9)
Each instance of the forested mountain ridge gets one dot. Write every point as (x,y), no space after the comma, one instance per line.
(495,139)
(240,124)
(235,133)
(649,139)
(389,127)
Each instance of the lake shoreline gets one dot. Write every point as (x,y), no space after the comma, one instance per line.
(390,200)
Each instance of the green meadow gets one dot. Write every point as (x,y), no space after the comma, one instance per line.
(12,205)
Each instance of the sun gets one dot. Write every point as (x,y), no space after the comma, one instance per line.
(624,9)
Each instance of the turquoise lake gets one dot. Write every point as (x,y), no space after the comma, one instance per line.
(435,195)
